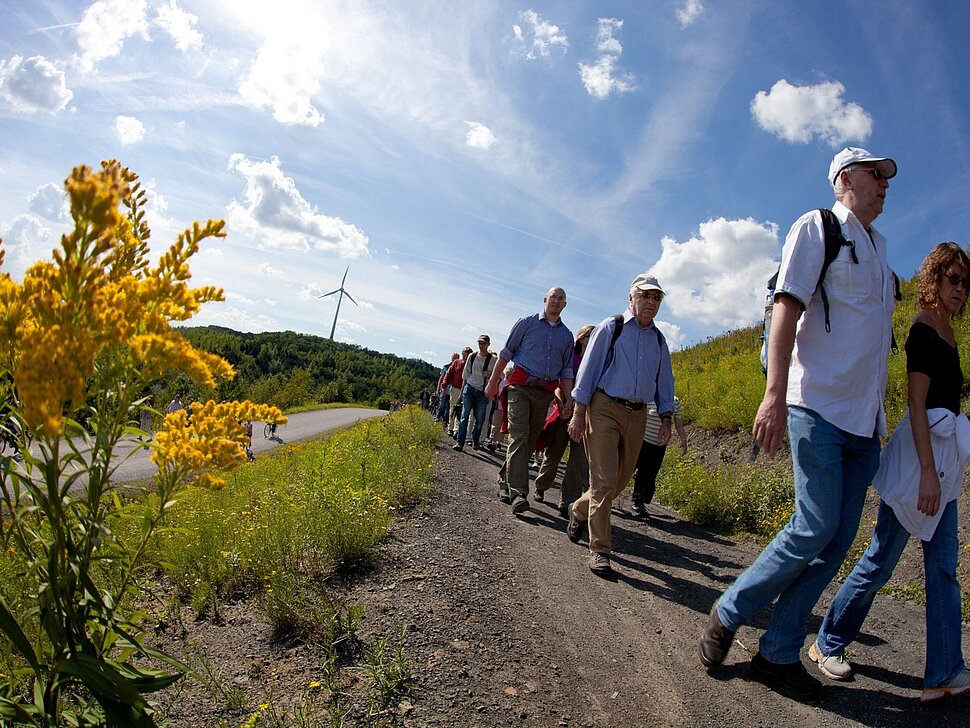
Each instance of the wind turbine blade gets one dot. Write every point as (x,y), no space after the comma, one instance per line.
(344,279)
(329,294)
(352,299)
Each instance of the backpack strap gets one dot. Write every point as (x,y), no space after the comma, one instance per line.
(617,330)
(834,242)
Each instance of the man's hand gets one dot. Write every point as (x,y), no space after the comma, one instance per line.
(664,436)
(491,388)
(769,424)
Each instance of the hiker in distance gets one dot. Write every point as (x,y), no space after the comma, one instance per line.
(626,365)
(827,371)
(541,347)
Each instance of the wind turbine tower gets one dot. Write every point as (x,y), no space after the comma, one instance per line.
(343,292)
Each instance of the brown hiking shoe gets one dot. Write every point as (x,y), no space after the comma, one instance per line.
(599,564)
(715,642)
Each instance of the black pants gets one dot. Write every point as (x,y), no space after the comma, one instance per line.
(648,465)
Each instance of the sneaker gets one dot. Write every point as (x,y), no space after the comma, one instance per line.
(519,505)
(599,564)
(458,447)
(834,667)
(540,496)
(638,509)
(574,529)
(491,447)
(791,680)
(476,446)
(716,640)
(959,684)
(503,494)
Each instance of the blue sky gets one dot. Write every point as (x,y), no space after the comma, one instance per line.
(462,157)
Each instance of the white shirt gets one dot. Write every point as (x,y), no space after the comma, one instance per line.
(897,481)
(475,373)
(840,374)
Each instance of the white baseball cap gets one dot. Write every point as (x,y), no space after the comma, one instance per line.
(857,155)
(644,282)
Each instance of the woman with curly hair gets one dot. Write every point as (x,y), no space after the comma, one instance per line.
(920,476)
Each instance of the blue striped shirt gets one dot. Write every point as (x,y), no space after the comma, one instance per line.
(640,370)
(542,348)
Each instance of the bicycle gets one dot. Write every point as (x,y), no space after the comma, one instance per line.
(269,431)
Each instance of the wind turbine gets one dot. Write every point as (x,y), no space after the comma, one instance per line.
(343,292)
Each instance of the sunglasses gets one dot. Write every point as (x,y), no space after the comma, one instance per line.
(956,280)
(875,171)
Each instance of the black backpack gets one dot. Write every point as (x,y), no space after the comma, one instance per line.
(834,242)
(617,330)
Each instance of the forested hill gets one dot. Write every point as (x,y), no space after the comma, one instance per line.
(290,369)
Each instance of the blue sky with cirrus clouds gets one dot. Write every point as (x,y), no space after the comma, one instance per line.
(461,158)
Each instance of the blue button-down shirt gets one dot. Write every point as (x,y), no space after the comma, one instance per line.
(640,370)
(542,348)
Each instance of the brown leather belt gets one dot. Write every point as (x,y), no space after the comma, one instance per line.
(628,403)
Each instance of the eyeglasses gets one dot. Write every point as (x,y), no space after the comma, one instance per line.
(555,297)
(651,295)
(875,171)
(958,280)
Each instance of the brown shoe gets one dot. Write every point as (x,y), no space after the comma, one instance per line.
(715,641)
(599,564)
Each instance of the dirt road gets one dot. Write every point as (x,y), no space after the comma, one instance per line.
(507,626)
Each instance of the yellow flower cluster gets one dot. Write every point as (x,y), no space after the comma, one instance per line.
(99,314)
(211,440)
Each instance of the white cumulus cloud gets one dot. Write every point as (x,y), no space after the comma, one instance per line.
(672,333)
(689,11)
(285,76)
(180,25)
(274,212)
(601,77)
(267,270)
(26,240)
(105,26)
(49,202)
(33,84)
(800,113)
(538,37)
(479,136)
(129,130)
(719,276)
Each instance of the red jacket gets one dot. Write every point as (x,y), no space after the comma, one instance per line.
(453,375)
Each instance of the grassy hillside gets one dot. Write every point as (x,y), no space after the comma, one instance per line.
(289,369)
(720,383)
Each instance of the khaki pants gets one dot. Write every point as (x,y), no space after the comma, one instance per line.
(613,437)
(454,397)
(528,407)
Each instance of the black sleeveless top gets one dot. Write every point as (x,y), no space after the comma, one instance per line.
(929,354)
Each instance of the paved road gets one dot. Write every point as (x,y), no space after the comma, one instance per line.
(301,426)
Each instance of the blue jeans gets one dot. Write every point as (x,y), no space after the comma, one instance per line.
(442,414)
(833,470)
(843,621)
(472,400)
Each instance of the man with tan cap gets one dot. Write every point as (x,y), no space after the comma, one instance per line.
(827,371)
(476,373)
(626,365)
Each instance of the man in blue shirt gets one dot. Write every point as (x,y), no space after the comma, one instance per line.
(541,347)
(618,376)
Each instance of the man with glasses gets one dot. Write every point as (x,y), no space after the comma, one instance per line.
(541,347)
(828,381)
(626,365)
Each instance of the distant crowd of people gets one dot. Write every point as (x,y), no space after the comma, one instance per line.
(607,395)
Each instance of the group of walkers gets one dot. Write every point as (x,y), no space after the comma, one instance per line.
(608,395)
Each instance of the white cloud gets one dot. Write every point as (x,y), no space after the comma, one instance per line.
(269,301)
(267,270)
(345,327)
(605,42)
(286,72)
(672,333)
(129,130)
(479,136)
(539,37)
(689,11)
(33,84)
(221,314)
(105,27)
(719,276)
(26,240)
(799,113)
(180,25)
(275,213)
(49,202)
(600,77)
(239,298)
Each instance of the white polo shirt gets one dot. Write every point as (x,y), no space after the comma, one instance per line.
(840,374)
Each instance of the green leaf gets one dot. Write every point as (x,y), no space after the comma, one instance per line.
(11,628)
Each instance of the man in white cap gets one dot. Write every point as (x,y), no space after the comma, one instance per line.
(626,365)
(827,371)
